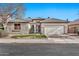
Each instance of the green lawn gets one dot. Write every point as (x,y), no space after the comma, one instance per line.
(31,36)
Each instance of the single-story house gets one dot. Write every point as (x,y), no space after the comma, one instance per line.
(46,26)
(73,26)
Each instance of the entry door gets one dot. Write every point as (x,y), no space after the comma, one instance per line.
(38,29)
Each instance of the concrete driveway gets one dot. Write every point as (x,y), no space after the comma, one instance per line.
(71,39)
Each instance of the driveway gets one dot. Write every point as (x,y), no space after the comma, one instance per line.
(49,40)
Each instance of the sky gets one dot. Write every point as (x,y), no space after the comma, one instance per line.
(54,10)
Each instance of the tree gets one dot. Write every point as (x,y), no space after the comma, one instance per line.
(10,10)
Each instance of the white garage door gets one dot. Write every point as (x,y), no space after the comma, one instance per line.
(49,30)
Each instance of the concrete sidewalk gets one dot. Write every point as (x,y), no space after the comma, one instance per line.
(49,40)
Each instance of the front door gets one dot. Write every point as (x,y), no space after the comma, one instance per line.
(38,28)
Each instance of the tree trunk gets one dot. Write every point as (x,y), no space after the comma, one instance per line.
(5,27)
(4,33)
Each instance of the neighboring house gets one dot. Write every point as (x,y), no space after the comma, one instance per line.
(47,26)
(73,26)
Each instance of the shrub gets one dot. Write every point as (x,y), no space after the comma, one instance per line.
(32,36)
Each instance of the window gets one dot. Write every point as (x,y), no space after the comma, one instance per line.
(17,26)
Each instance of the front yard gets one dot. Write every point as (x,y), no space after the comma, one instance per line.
(29,36)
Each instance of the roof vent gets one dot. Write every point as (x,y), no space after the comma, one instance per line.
(29,17)
(67,20)
(48,17)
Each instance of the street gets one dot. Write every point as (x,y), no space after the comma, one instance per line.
(18,49)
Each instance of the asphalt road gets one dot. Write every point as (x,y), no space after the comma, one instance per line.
(39,49)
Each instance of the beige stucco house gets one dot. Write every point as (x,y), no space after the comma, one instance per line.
(46,26)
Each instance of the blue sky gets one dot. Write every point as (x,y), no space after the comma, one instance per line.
(54,10)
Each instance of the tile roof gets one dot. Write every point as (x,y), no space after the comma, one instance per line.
(42,20)
(53,20)
(19,20)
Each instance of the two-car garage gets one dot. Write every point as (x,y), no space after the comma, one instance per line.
(54,29)
(54,26)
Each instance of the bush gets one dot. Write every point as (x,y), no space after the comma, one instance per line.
(31,36)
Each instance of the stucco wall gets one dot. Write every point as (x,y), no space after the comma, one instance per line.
(10,27)
(24,28)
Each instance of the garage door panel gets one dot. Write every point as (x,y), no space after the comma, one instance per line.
(49,30)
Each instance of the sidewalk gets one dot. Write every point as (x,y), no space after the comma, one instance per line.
(49,40)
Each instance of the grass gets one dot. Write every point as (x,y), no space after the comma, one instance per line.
(31,36)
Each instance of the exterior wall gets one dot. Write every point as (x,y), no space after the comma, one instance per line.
(24,28)
(10,27)
(43,25)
